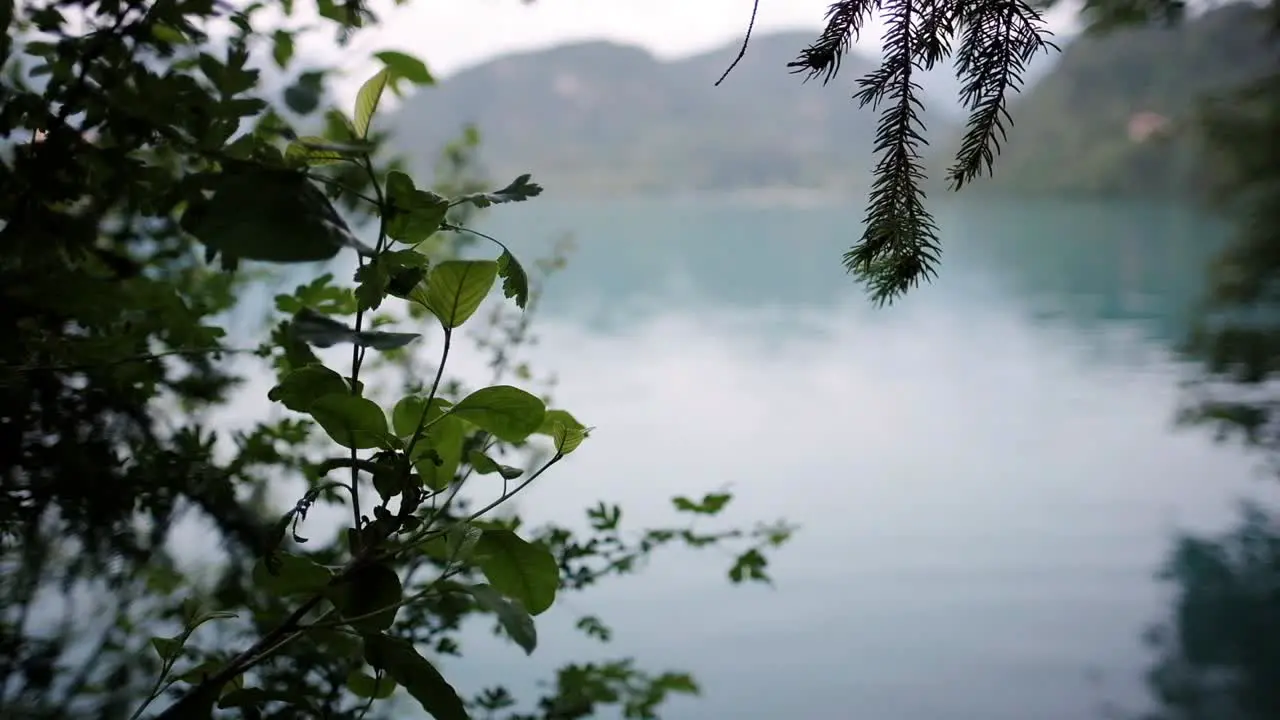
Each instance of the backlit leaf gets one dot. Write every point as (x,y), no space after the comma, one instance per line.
(367,100)
(456,288)
(301,387)
(565,431)
(351,421)
(518,569)
(508,412)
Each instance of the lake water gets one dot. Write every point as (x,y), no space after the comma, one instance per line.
(986,473)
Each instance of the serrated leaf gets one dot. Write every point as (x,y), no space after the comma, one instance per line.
(406,66)
(399,659)
(352,422)
(367,100)
(268,215)
(519,190)
(511,615)
(515,281)
(510,413)
(486,465)
(415,214)
(456,288)
(565,431)
(518,569)
(301,387)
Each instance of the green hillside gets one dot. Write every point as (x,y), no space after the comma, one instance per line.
(600,117)
(1071,133)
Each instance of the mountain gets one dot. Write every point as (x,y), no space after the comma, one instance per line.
(1111,119)
(599,117)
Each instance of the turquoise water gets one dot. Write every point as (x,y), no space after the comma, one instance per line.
(985,473)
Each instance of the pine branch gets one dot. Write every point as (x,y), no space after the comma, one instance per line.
(845,21)
(899,245)
(1000,38)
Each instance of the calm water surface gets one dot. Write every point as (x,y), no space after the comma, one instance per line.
(985,473)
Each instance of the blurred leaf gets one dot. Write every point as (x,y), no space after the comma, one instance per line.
(406,66)
(363,685)
(268,215)
(316,329)
(512,616)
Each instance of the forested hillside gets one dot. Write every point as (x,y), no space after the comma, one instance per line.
(600,117)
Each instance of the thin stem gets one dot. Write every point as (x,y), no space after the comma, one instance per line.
(431,395)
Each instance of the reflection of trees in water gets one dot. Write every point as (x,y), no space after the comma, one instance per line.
(1218,653)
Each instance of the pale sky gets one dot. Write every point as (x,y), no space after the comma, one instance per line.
(452,34)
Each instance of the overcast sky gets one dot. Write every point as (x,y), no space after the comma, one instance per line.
(451,34)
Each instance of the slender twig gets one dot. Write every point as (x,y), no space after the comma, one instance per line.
(742,52)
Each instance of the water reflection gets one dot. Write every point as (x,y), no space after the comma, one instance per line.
(984,491)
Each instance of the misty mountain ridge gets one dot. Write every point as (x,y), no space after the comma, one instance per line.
(601,117)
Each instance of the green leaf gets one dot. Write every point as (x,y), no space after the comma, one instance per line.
(303,97)
(282,48)
(406,66)
(167,648)
(399,659)
(565,431)
(520,570)
(486,465)
(351,421)
(460,542)
(455,289)
(415,214)
(437,456)
(268,215)
(369,591)
(519,190)
(367,100)
(301,387)
(511,615)
(508,412)
(315,329)
(515,282)
(313,150)
(362,684)
(293,575)
(711,504)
